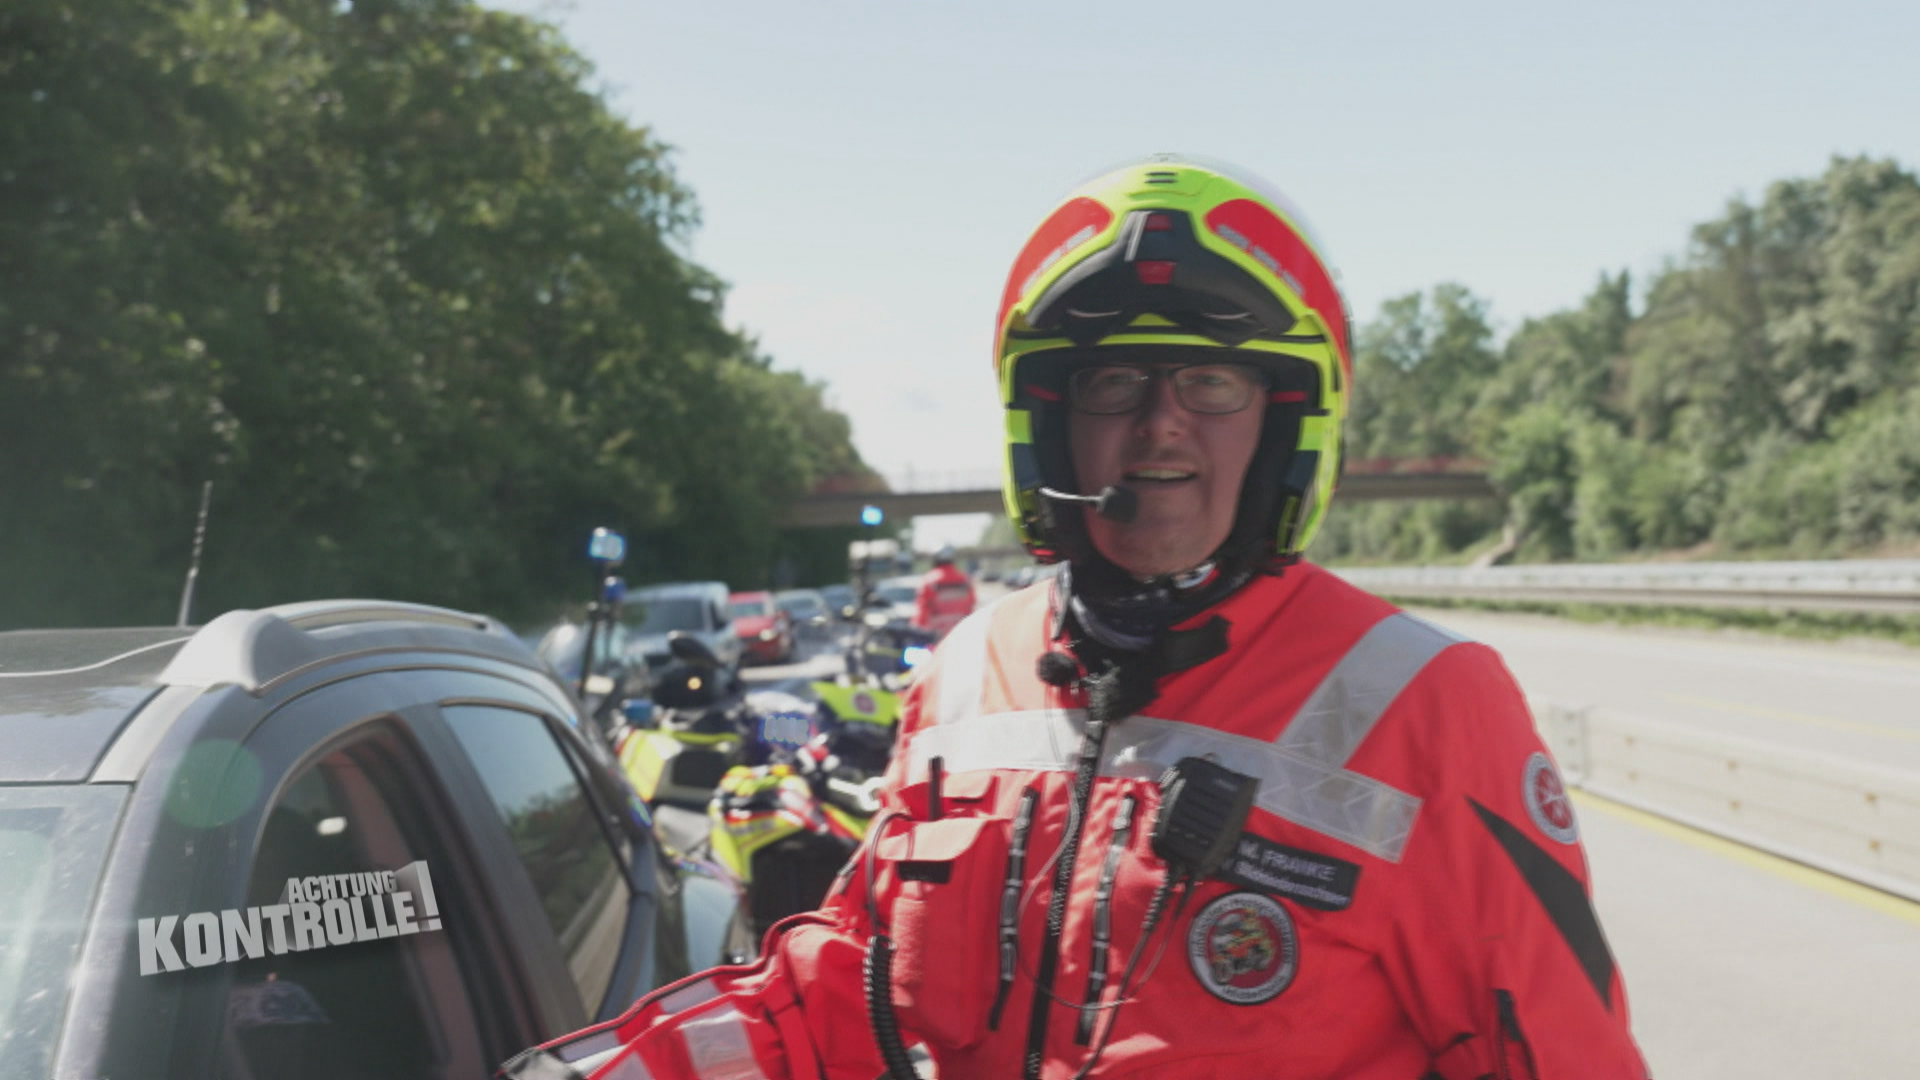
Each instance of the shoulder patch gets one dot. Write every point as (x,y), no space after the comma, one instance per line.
(1243,948)
(1547,801)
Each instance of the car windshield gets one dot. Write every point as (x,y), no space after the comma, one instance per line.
(53,841)
(898,592)
(802,604)
(666,613)
(750,609)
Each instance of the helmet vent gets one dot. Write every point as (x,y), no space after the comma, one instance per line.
(1162,176)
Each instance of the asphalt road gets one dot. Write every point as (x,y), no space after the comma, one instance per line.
(1744,966)
(1858,701)
(1739,964)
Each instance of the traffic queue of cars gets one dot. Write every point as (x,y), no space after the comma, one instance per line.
(320,840)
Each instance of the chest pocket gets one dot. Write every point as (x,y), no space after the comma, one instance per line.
(944,880)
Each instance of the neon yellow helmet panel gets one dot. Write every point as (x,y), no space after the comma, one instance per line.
(1182,255)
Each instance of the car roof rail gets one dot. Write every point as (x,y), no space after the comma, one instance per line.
(256,649)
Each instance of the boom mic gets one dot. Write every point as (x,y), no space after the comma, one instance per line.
(1115,503)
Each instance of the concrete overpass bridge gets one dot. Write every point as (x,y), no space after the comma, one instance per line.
(926,494)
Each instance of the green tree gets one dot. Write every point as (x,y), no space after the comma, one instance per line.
(394,278)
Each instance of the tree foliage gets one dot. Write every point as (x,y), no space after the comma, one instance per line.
(1763,400)
(393,278)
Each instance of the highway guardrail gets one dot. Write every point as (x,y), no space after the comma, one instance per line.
(1851,818)
(1861,586)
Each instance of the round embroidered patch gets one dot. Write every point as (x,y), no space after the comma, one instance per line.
(1547,802)
(1243,948)
(864,703)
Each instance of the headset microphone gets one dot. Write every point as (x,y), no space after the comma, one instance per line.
(1116,504)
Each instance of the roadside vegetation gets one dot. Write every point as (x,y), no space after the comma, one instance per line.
(392,276)
(1759,398)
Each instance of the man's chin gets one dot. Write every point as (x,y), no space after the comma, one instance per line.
(1149,550)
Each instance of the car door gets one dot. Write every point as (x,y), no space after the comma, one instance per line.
(376,820)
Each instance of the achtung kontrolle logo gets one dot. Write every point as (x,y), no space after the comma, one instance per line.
(313,913)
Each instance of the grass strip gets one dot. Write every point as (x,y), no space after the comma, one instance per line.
(1815,625)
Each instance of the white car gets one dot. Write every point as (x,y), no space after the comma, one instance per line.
(898,597)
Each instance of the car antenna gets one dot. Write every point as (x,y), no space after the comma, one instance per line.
(193,564)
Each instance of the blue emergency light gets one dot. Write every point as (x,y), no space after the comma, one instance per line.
(607,547)
(871,516)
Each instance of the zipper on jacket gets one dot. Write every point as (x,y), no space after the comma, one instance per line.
(1091,745)
(1509,1028)
(1103,920)
(1010,903)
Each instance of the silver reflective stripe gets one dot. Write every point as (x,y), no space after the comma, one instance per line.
(627,1068)
(1350,700)
(718,1046)
(1313,794)
(598,1043)
(688,996)
(963,666)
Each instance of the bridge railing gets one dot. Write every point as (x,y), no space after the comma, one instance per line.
(912,481)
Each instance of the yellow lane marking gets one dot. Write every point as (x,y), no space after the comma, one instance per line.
(1796,717)
(1833,885)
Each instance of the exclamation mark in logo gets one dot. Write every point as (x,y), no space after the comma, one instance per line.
(416,879)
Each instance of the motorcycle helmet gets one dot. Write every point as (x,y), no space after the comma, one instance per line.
(1186,260)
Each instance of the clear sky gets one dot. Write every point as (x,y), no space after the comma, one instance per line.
(867,170)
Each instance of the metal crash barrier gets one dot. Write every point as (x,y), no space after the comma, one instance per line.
(1886,587)
(1850,818)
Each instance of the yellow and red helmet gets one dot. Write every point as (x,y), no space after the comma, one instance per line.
(1171,256)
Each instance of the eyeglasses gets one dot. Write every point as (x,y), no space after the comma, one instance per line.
(1211,389)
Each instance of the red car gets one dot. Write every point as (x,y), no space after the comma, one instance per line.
(765,632)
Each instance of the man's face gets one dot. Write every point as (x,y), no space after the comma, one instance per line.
(1185,466)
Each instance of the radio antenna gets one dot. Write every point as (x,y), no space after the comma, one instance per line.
(193,565)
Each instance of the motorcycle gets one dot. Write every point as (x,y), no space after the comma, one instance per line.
(880,659)
(699,721)
(689,731)
(785,829)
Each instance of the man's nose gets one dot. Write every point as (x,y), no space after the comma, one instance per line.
(1161,416)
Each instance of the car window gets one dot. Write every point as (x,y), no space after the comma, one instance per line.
(53,840)
(371,985)
(747,609)
(556,832)
(663,614)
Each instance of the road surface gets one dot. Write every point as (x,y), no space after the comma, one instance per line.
(1853,701)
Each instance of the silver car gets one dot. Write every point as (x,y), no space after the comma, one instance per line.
(332,839)
(698,608)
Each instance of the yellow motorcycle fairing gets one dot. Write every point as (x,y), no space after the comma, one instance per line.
(859,702)
(647,756)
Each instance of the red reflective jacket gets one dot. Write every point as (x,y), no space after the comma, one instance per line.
(1410,898)
(945,598)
